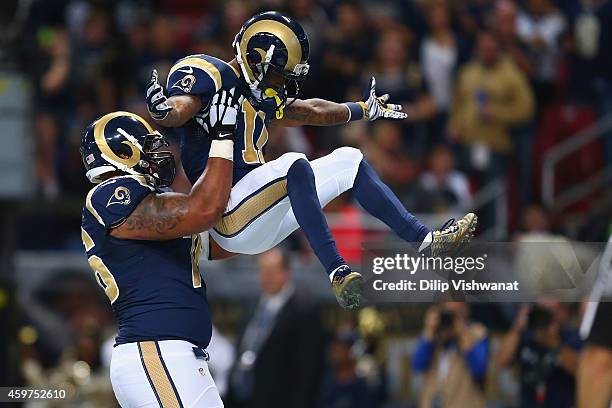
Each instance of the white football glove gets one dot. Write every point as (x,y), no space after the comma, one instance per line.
(377,106)
(157,101)
(223,114)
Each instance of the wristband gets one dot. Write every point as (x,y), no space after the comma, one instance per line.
(356,111)
(222,148)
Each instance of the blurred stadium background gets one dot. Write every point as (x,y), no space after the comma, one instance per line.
(510,114)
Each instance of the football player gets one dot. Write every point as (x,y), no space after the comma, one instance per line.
(143,245)
(594,377)
(270,200)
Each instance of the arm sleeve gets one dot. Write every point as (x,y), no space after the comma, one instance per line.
(113,201)
(421,357)
(477,358)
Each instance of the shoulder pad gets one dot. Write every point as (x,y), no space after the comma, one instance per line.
(113,200)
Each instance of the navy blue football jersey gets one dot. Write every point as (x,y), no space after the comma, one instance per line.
(202,75)
(155,287)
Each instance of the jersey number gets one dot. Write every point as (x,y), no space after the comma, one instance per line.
(196,248)
(253,154)
(105,278)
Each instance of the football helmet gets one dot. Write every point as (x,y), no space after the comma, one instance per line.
(272,52)
(123,141)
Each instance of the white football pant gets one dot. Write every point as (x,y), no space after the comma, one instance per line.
(259,214)
(162,374)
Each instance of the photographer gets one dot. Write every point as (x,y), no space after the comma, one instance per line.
(452,353)
(546,350)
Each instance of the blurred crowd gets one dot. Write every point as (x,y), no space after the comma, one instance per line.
(488,85)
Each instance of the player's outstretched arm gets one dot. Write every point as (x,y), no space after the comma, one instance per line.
(170,112)
(319,112)
(174,215)
(315,112)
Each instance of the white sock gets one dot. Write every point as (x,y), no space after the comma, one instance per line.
(426,242)
(331,275)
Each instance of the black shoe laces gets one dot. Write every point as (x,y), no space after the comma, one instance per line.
(448,224)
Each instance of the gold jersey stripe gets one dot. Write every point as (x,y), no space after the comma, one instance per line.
(231,66)
(87,241)
(204,65)
(140,179)
(235,221)
(90,206)
(160,380)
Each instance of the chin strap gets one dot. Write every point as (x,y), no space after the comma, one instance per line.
(271,93)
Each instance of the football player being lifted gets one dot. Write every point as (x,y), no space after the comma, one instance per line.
(270,200)
(143,245)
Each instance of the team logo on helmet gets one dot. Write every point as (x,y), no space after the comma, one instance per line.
(125,142)
(124,158)
(272,52)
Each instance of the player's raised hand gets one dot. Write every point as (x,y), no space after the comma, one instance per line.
(157,101)
(223,115)
(377,106)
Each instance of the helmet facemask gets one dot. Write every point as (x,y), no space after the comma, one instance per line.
(159,165)
(272,85)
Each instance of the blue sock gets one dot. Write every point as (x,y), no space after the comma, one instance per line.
(378,199)
(309,214)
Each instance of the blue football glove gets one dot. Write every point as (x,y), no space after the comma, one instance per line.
(157,101)
(377,106)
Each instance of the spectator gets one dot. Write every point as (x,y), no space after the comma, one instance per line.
(452,354)
(349,46)
(505,26)
(536,223)
(445,188)
(442,51)
(398,75)
(314,21)
(99,52)
(589,76)
(539,26)
(492,96)
(52,70)
(279,352)
(342,386)
(393,160)
(545,347)
(471,16)
(541,251)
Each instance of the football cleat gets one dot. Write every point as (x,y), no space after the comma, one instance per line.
(452,237)
(347,286)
